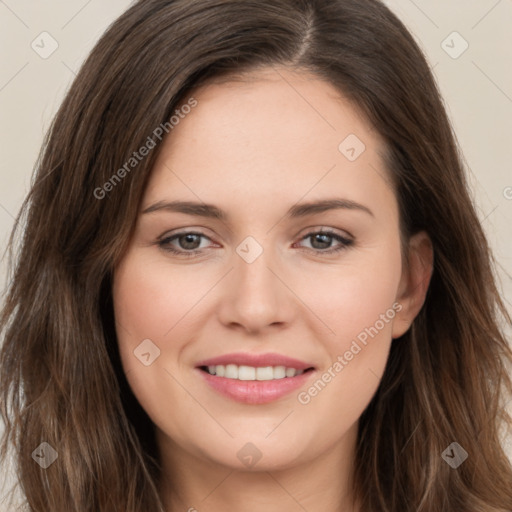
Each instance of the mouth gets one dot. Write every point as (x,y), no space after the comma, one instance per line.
(254,379)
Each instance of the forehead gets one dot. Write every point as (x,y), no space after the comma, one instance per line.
(269,133)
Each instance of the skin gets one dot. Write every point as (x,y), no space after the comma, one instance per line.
(254,148)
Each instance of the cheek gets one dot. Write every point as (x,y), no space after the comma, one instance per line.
(145,308)
(152,302)
(360,308)
(356,296)
(150,306)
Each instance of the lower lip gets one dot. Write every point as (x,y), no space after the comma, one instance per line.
(255,391)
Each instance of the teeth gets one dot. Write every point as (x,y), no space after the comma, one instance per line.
(232,371)
(266,373)
(246,373)
(279,372)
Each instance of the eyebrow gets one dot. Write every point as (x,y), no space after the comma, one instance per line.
(296,211)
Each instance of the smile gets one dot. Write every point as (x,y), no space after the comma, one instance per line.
(254,379)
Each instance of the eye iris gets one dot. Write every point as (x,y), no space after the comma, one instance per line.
(324,239)
(189,239)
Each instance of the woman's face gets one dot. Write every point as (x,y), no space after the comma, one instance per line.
(295,325)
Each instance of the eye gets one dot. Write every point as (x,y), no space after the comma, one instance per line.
(321,241)
(189,243)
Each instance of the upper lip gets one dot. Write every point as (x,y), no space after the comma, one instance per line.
(256,360)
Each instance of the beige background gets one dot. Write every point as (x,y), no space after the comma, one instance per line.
(476,86)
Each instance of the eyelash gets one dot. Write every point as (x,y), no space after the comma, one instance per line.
(165,243)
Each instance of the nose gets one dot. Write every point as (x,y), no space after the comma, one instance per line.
(256,295)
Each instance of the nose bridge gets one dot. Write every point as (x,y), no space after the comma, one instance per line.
(252,273)
(256,297)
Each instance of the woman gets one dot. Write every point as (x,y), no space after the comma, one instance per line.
(330,340)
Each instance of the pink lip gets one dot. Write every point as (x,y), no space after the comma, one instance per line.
(256,360)
(255,391)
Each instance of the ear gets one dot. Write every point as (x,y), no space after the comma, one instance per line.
(414,282)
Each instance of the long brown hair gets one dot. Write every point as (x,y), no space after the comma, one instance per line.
(62,382)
